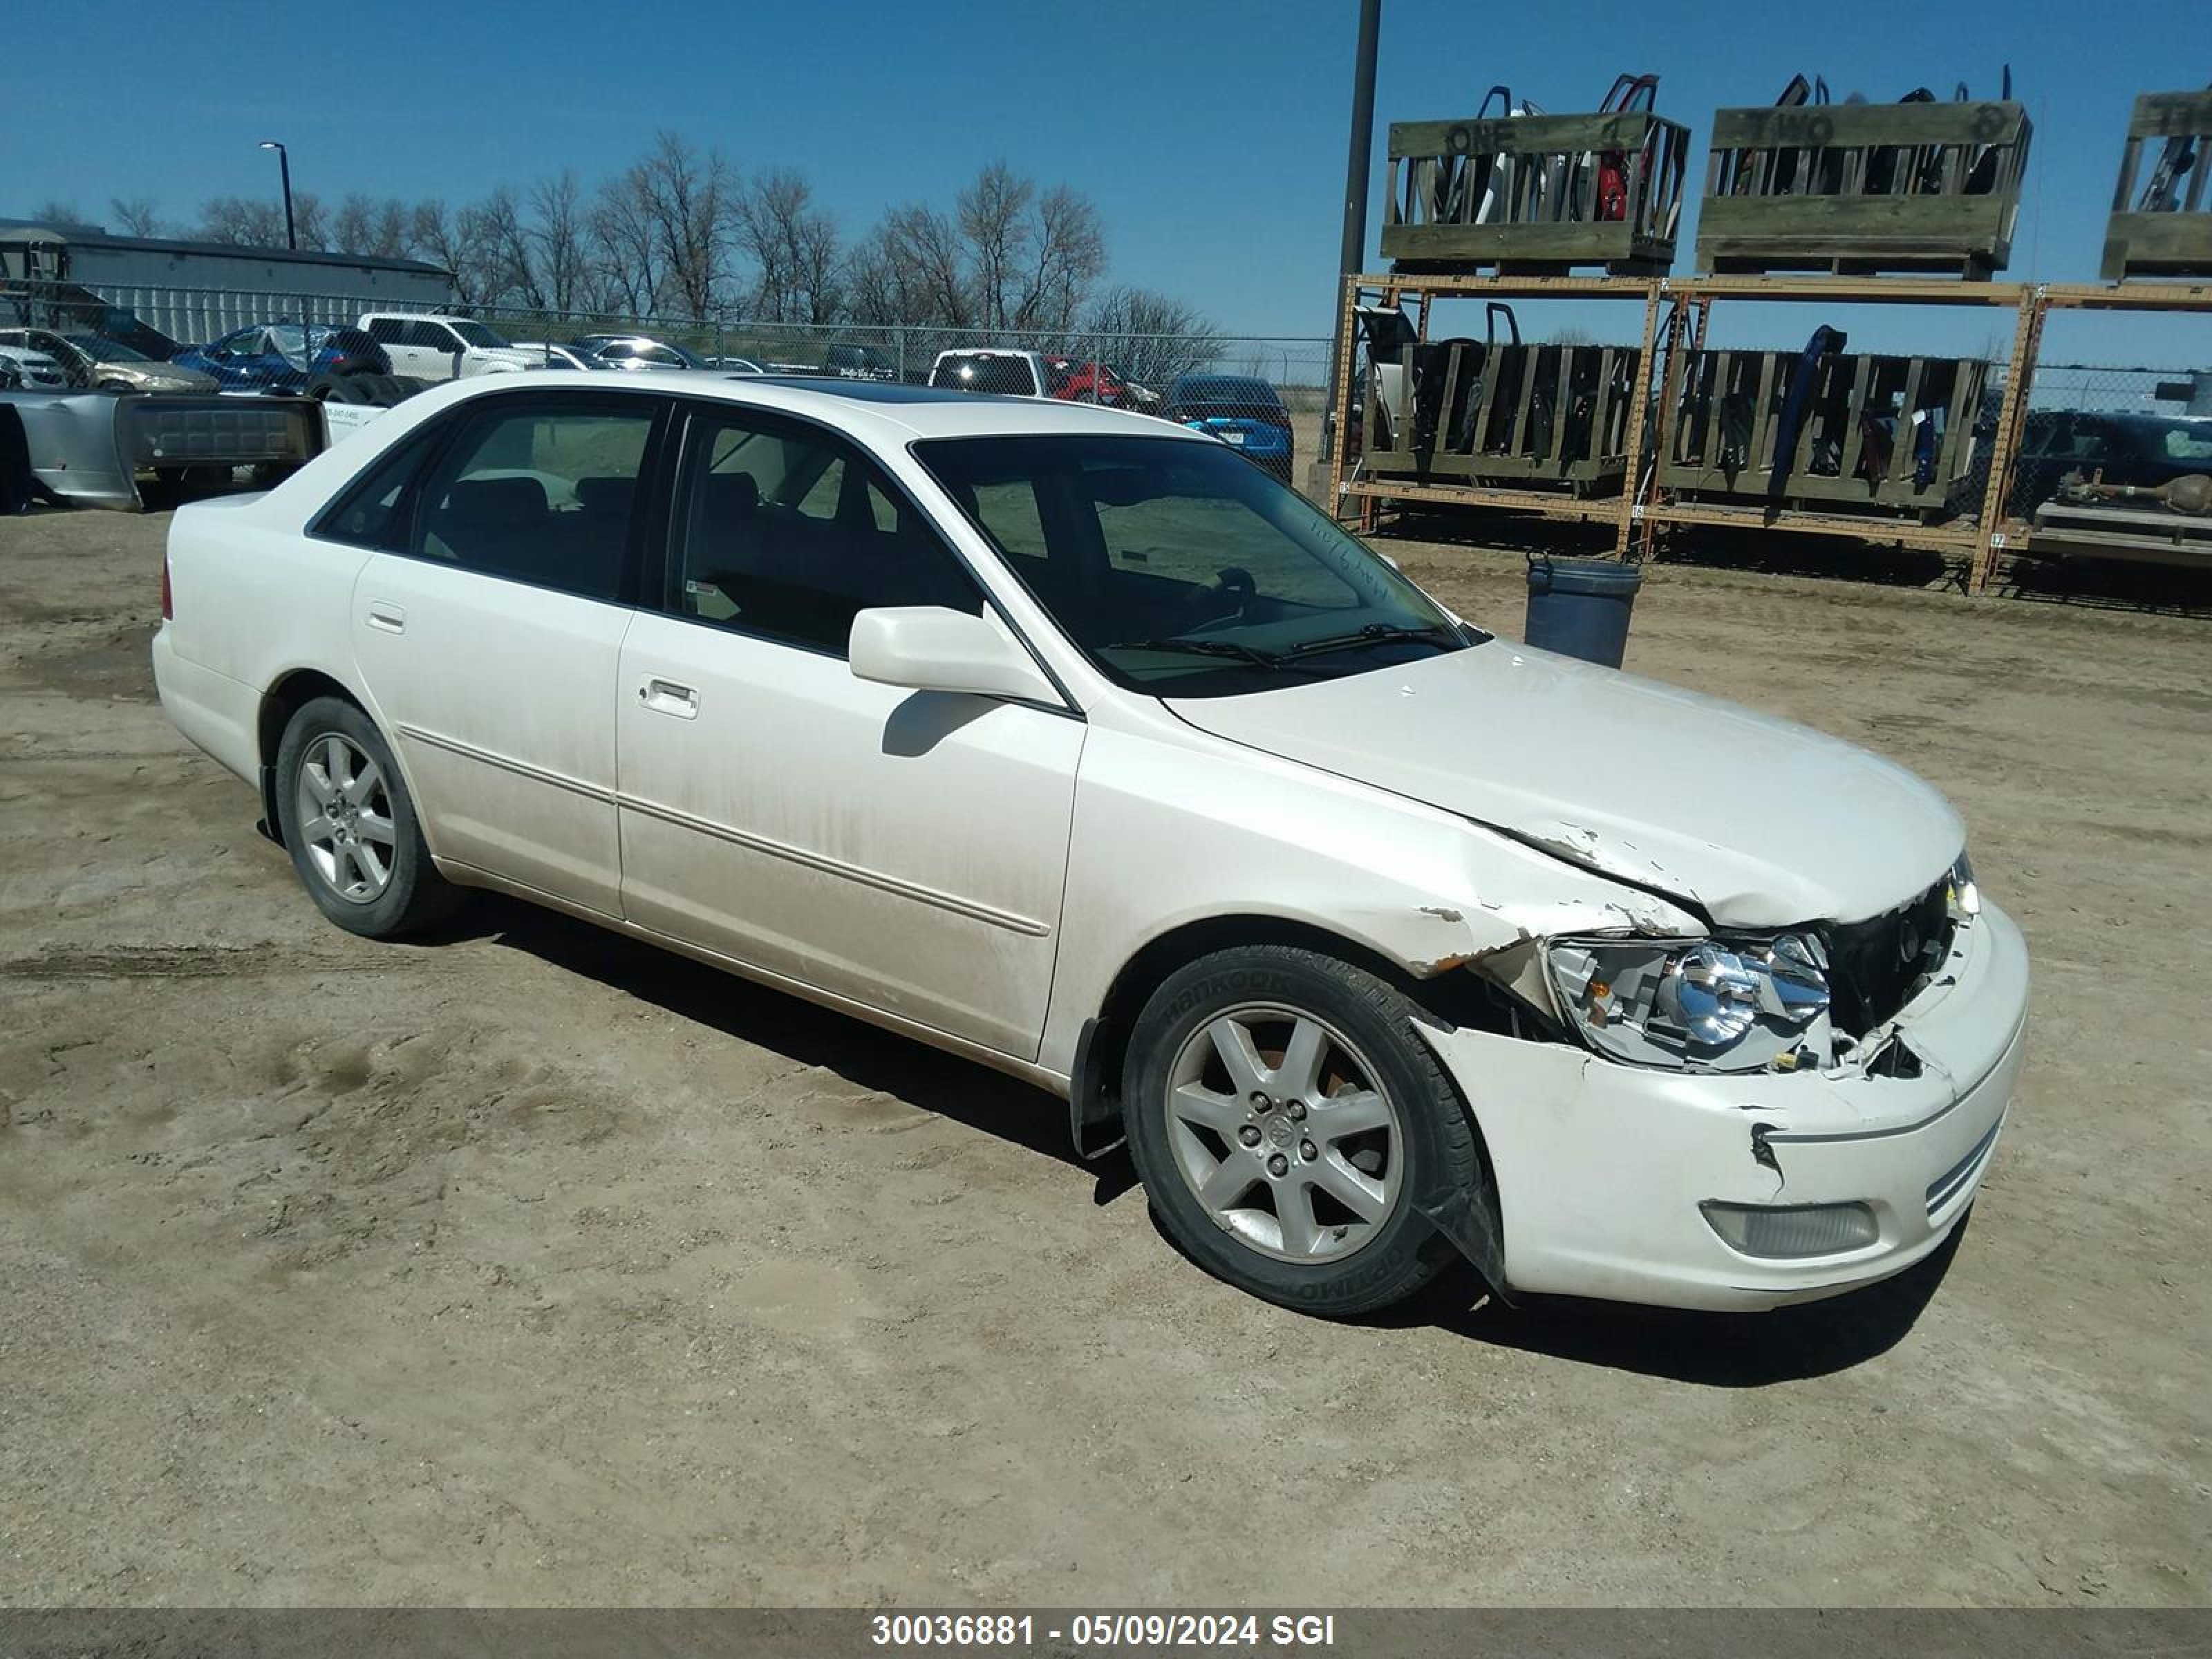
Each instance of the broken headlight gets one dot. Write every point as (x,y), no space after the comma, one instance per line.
(1721,1005)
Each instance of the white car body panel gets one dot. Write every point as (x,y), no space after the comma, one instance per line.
(977,872)
(453,359)
(501,699)
(1699,798)
(943,371)
(789,814)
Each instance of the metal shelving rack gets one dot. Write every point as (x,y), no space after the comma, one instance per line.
(1395,289)
(1685,303)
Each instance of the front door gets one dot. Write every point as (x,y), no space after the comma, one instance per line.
(903,849)
(490,645)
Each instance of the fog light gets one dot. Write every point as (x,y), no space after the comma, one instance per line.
(1798,1229)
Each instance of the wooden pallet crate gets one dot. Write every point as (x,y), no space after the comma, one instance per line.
(1858,446)
(2174,240)
(1519,195)
(1864,189)
(1551,417)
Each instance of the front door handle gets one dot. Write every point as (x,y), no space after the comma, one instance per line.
(667,698)
(392,618)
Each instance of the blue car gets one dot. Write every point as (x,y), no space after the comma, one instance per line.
(1244,412)
(274,357)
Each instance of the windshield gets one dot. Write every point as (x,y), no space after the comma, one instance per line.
(476,334)
(100,349)
(1182,569)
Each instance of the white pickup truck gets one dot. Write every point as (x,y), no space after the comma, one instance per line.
(432,348)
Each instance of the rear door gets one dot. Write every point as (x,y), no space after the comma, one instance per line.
(488,637)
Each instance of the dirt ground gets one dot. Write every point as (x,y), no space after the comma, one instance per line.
(536,1267)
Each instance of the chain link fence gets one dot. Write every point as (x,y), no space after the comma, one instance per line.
(1261,394)
(2090,426)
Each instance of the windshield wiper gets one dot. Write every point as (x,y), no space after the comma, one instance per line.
(1200,648)
(1375,634)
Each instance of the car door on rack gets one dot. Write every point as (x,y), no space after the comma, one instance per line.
(902,849)
(489,631)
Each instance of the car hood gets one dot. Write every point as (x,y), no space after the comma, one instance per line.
(1757,821)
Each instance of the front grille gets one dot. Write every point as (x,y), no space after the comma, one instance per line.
(1876,965)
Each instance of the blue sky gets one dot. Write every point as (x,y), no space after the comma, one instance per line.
(1211,135)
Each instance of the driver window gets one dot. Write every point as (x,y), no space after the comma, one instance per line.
(788,535)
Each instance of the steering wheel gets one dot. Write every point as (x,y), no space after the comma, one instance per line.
(1230,599)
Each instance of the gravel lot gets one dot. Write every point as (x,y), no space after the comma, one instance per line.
(536,1267)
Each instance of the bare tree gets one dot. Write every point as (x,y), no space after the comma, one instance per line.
(54,211)
(558,237)
(794,245)
(624,255)
(242,221)
(880,286)
(495,227)
(137,214)
(1011,258)
(379,229)
(930,263)
(455,241)
(688,200)
(1067,253)
(1152,338)
(310,221)
(993,218)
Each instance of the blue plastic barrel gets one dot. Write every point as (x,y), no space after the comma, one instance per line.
(1580,607)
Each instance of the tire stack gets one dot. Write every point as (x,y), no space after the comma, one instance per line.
(377,390)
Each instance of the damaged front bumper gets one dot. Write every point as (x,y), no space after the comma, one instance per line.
(1601,1168)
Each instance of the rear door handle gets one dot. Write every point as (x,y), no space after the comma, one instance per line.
(392,618)
(667,698)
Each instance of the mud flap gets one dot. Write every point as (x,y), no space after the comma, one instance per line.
(1466,1220)
(1094,1114)
(269,821)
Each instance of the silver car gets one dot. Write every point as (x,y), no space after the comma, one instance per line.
(27,370)
(635,351)
(95,362)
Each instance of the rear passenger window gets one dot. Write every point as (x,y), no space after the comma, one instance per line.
(367,513)
(790,535)
(541,494)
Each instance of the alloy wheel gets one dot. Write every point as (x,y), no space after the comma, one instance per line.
(344,816)
(1283,1131)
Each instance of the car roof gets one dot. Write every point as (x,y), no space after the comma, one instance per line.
(889,411)
(1237,381)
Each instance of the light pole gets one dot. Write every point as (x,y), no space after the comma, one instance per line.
(1354,253)
(284,164)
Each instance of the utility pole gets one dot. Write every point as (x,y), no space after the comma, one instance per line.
(1353,253)
(285,166)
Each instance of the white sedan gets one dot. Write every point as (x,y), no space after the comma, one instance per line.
(1071,743)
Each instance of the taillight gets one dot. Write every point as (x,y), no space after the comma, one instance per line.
(169,602)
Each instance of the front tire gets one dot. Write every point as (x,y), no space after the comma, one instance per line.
(1286,1121)
(351,827)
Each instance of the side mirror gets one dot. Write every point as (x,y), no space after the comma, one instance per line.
(927,647)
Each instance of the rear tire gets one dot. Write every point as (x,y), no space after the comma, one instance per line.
(351,827)
(1286,1121)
